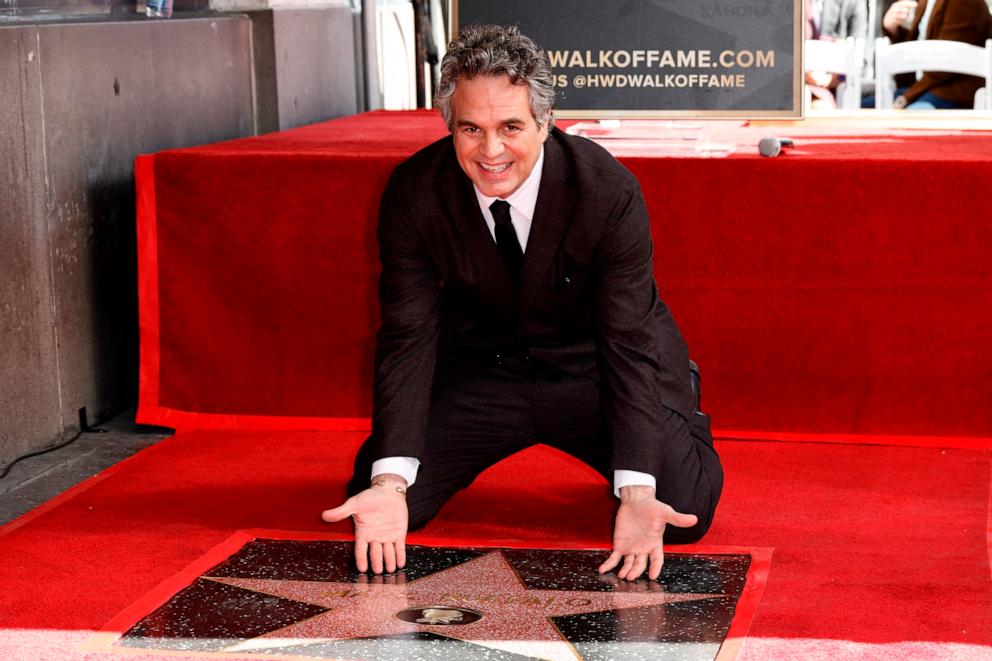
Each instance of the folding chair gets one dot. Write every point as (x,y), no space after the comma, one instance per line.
(931,55)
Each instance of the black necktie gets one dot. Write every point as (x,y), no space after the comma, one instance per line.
(506,240)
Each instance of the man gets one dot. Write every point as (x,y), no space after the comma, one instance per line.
(952,20)
(519,307)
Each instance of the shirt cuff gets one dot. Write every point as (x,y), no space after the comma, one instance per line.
(624,478)
(405,467)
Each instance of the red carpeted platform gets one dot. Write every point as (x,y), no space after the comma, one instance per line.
(843,288)
(878,552)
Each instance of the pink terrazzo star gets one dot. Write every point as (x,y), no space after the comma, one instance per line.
(514,618)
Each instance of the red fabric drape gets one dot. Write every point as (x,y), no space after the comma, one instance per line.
(842,288)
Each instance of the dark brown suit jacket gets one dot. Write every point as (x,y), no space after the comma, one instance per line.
(587,303)
(955,20)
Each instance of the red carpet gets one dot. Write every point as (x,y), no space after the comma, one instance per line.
(879,552)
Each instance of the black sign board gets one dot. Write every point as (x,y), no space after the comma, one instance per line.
(661,58)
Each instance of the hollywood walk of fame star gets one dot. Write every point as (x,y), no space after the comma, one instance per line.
(513,618)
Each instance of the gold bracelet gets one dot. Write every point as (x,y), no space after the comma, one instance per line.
(383,483)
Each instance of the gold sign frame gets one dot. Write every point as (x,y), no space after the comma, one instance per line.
(798,85)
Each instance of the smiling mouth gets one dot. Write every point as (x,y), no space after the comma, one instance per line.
(495,169)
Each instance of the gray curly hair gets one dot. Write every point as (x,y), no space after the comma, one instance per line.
(497,50)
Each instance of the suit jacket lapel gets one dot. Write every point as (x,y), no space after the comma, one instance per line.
(551,217)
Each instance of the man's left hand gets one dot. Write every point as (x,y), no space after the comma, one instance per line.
(638,533)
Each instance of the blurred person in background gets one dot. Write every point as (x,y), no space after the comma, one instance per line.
(832,20)
(968,21)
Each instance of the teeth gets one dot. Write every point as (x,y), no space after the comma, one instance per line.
(495,168)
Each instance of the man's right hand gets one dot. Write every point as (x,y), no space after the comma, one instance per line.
(897,15)
(380,516)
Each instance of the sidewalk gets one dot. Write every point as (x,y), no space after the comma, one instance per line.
(35,480)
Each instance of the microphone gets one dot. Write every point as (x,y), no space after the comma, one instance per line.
(773,146)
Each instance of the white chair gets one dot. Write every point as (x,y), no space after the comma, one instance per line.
(931,55)
(839,57)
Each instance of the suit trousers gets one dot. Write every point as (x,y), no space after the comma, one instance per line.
(496,410)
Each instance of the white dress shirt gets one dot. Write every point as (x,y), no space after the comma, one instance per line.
(522,203)
(922,27)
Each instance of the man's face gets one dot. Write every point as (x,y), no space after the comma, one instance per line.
(497,140)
